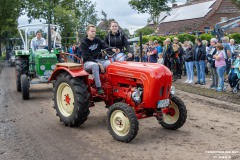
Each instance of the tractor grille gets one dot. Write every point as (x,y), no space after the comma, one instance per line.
(164,89)
(47,60)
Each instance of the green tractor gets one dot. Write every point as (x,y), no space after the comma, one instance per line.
(35,66)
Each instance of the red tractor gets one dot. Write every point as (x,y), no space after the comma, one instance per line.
(133,90)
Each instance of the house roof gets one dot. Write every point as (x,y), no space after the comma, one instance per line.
(190,17)
(198,10)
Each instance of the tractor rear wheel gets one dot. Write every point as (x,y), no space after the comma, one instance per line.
(177,114)
(21,67)
(122,122)
(71,99)
(25,85)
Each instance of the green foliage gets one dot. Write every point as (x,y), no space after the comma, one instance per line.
(10,10)
(145,31)
(3,57)
(126,32)
(71,15)
(236,37)
(145,39)
(86,14)
(237,2)
(186,37)
(206,36)
(101,34)
(153,7)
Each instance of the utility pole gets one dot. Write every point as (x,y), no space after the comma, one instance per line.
(140,40)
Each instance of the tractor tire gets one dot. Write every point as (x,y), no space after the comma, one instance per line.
(122,122)
(71,99)
(21,67)
(25,85)
(178,117)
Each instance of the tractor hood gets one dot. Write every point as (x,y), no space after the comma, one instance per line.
(129,69)
(155,78)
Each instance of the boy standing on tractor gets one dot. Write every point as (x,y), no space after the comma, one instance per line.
(91,47)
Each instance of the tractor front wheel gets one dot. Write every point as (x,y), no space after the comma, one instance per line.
(176,116)
(25,85)
(122,122)
(71,99)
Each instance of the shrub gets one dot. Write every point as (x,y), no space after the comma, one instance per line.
(186,37)
(236,37)
(207,37)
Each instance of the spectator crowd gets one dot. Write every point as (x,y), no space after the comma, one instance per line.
(221,60)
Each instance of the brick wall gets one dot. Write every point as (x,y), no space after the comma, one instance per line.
(227,6)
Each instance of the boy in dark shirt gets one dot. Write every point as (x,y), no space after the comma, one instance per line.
(91,47)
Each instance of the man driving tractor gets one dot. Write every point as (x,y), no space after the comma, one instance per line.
(91,48)
(38,41)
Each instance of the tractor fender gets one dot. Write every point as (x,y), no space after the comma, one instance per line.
(73,73)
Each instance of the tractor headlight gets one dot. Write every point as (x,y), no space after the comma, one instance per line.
(42,67)
(53,67)
(136,96)
(173,90)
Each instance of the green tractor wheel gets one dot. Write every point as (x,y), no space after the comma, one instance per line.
(21,67)
(25,85)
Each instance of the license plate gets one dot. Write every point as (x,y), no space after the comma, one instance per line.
(163,103)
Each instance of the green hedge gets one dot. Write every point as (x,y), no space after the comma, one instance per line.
(188,37)
(160,39)
(236,37)
(3,56)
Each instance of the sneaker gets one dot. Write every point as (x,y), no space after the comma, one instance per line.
(186,81)
(202,83)
(219,89)
(100,91)
(190,82)
(197,82)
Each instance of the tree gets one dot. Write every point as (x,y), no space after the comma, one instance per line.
(153,7)
(145,31)
(236,2)
(126,32)
(71,15)
(86,14)
(10,10)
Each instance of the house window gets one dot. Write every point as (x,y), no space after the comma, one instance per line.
(224,19)
(207,29)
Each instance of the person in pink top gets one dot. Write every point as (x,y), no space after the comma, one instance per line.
(220,64)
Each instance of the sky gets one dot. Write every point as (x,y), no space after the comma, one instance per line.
(120,11)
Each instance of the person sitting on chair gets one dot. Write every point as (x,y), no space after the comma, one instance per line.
(91,47)
(38,41)
(234,74)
